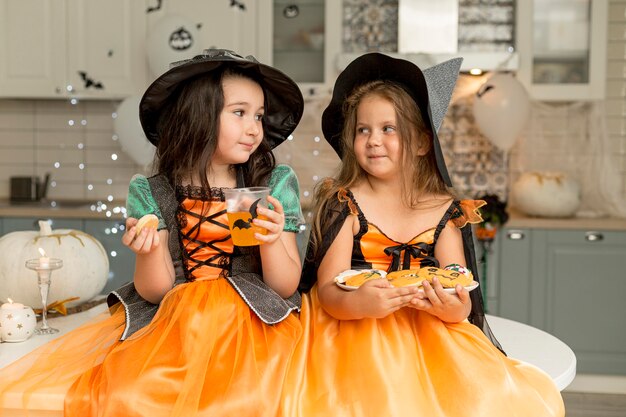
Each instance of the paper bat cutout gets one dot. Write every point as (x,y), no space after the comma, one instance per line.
(237,3)
(89,82)
(242,224)
(157,7)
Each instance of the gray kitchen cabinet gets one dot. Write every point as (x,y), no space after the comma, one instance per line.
(571,284)
(121,259)
(72,48)
(16,224)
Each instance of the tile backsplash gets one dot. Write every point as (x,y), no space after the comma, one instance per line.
(75,143)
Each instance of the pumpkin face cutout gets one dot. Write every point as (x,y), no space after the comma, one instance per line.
(84,273)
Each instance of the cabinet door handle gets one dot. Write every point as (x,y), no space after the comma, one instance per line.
(515,234)
(593,236)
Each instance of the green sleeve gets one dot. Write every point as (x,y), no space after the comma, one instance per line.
(140,200)
(284,187)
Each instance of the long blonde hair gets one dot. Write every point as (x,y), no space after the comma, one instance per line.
(419,161)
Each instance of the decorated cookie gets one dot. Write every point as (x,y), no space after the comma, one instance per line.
(447,278)
(358,279)
(404,278)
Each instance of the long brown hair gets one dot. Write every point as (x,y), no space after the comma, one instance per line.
(423,177)
(189,129)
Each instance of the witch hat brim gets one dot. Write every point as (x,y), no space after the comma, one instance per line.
(431,89)
(285,103)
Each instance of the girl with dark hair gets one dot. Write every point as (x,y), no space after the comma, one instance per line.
(371,348)
(205,328)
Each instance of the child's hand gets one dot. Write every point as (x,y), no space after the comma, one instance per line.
(144,242)
(451,308)
(378,298)
(274,224)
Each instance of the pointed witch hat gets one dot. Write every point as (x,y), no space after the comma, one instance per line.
(284,102)
(431,89)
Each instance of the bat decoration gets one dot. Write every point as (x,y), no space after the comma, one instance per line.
(237,3)
(242,224)
(157,7)
(483,90)
(181,39)
(89,82)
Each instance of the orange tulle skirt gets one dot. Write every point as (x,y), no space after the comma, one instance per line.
(205,353)
(409,363)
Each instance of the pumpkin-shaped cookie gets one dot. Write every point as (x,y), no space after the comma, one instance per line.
(405,278)
(447,278)
(359,279)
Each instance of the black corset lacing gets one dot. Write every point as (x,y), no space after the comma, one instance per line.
(221,259)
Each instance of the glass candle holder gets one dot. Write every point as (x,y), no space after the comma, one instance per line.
(44,272)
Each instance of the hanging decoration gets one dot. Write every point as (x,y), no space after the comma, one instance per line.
(290,11)
(155,8)
(89,82)
(501,109)
(131,136)
(238,4)
(173,38)
(494,216)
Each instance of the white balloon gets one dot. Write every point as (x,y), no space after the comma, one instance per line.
(501,109)
(130,134)
(172,38)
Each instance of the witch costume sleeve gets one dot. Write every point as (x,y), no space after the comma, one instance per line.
(336,213)
(155,195)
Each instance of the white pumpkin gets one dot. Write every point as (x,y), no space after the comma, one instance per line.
(84,273)
(546,194)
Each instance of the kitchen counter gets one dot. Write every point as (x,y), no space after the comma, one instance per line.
(87,210)
(519,220)
(69,209)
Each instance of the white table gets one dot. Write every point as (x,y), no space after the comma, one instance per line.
(519,341)
(529,344)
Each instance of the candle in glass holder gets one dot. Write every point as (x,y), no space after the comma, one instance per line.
(44,261)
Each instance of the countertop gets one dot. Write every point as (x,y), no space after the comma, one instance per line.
(89,210)
(519,220)
(63,209)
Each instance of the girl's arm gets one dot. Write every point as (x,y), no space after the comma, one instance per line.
(280,259)
(451,308)
(374,299)
(154,271)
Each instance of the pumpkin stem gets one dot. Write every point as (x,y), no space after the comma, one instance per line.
(45,228)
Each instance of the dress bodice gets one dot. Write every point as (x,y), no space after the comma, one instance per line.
(372,248)
(204,234)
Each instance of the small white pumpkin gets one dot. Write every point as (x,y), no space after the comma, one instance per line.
(84,273)
(546,194)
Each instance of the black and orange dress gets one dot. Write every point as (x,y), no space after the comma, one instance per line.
(204,353)
(410,362)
